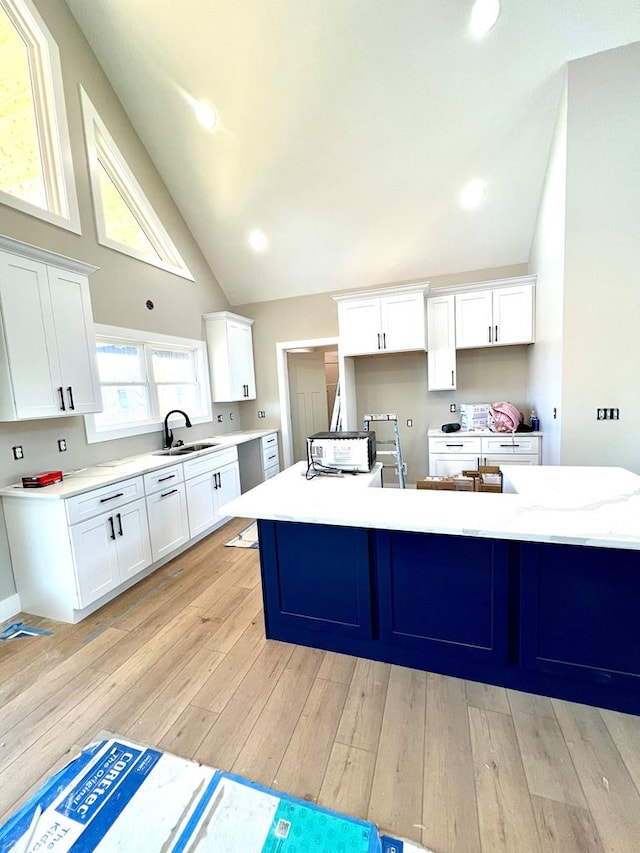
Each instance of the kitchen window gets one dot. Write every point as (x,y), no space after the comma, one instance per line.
(142,377)
(37,171)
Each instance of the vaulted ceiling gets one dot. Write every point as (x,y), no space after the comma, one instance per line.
(347,128)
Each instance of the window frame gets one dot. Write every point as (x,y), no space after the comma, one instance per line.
(148,340)
(103,152)
(47,92)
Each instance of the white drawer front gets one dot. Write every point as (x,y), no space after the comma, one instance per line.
(270,457)
(156,480)
(453,444)
(518,443)
(209,462)
(268,441)
(81,507)
(271,472)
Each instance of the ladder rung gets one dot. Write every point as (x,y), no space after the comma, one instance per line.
(390,417)
(385,441)
(386,453)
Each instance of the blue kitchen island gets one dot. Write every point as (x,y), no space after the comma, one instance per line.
(536,589)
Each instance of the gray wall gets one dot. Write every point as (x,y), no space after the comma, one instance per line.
(121,286)
(587,255)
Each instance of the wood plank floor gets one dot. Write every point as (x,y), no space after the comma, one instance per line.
(180,662)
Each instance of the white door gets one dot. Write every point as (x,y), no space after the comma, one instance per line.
(228,485)
(168,520)
(474,319)
(132,539)
(201,502)
(241,359)
(441,343)
(403,322)
(513,315)
(93,543)
(30,337)
(446,464)
(76,346)
(360,326)
(308,398)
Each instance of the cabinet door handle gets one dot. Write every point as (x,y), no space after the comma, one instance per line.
(509,445)
(454,445)
(452,379)
(162,479)
(62,405)
(111,497)
(489,334)
(496,337)
(112,535)
(219,476)
(119,517)
(165,494)
(379,347)
(70,393)
(215,481)
(272,457)
(384,340)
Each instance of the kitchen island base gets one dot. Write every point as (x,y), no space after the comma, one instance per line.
(552,619)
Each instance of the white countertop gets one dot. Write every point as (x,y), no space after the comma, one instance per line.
(485,432)
(592,506)
(105,473)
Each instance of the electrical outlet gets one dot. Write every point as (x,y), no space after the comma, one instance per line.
(261,413)
(18,452)
(62,444)
(230,416)
(453,407)
(614,414)
(409,422)
(602,414)
(219,419)
(555,413)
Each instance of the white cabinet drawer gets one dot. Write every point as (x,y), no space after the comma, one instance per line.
(269,441)
(156,480)
(81,507)
(209,462)
(506,443)
(455,444)
(272,471)
(270,457)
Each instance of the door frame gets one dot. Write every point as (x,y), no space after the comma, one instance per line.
(282,348)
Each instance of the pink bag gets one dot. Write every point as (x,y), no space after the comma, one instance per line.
(503,417)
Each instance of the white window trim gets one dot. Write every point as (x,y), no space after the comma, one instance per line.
(157,424)
(51,119)
(100,144)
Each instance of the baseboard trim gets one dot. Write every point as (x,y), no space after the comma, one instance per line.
(9,607)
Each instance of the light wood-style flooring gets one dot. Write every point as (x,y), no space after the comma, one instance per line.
(180,662)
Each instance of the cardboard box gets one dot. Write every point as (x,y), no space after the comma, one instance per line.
(488,478)
(119,795)
(456,483)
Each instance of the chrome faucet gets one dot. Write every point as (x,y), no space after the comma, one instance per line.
(168,434)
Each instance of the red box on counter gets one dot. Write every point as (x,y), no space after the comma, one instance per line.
(46,478)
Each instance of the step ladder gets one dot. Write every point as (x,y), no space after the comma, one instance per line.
(391,418)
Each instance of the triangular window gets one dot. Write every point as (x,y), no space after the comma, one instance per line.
(36,174)
(125,219)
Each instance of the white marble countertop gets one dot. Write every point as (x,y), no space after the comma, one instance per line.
(591,506)
(105,473)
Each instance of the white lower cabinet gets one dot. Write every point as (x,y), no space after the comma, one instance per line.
(210,483)
(459,451)
(270,456)
(109,549)
(168,521)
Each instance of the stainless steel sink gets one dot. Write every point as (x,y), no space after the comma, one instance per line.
(186,449)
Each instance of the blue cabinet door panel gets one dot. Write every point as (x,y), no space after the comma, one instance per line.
(318,577)
(580,612)
(444,592)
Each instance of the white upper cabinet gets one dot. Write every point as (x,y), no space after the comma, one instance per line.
(441,342)
(495,317)
(48,362)
(230,346)
(391,320)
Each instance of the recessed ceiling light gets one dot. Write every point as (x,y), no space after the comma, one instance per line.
(473,194)
(258,240)
(483,16)
(205,114)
